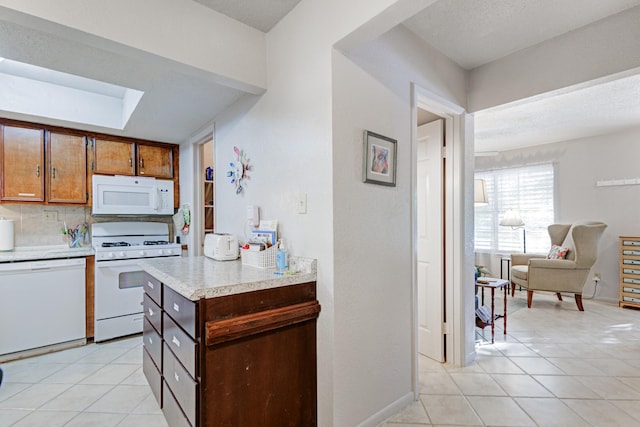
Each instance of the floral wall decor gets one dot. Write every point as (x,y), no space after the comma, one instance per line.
(239,170)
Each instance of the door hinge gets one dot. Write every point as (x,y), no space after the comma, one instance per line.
(86,199)
(91,165)
(445,328)
(444,152)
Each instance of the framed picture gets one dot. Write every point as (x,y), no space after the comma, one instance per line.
(379,159)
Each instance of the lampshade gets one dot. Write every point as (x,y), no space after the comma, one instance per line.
(512,219)
(480,193)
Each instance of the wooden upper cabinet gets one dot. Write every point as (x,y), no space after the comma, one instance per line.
(129,158)
(66,168)
(114,157)
(155,161)
(23,167)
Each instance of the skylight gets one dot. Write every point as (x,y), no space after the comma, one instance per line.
(36,91)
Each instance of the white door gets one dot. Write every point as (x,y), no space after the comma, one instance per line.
(430,242)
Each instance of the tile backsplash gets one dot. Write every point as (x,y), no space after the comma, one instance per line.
(41,225)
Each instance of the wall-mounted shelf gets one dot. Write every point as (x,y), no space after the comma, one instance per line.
(618,182)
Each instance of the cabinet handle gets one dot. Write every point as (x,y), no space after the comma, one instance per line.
(175,341)
(176,307)
(175,375)
(141,163)
(150,340)
(130,162)
(150,312)
(38,170)
(53,172)
(150,284)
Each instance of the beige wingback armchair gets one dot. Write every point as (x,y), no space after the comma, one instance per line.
(537,273)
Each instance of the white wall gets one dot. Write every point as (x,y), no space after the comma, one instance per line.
(287,134)
(579,165)
(372,224)
(364,330)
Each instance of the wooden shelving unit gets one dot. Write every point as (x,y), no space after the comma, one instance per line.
(208,207)
(629,271)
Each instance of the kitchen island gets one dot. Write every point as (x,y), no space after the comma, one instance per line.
(231,345)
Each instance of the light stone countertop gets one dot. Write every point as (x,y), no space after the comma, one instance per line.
(30,253)
(202,277)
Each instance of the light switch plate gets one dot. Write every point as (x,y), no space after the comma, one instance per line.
(301,203)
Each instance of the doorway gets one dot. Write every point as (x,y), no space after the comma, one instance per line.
(207,208)
(452,328)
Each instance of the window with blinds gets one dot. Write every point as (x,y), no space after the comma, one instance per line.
(530,191)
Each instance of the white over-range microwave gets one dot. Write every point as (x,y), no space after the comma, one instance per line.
(131,195)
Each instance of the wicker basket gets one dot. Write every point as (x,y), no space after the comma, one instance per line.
(261,259)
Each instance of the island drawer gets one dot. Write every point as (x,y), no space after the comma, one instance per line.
(181,310)
(184,388)
(181,344)
(153,288)
(171,409)
(152,342)
(153,376)
(152,312)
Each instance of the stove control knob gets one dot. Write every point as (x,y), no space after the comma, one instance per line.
(121,254)
(142,253)
(110,255)
(160,251)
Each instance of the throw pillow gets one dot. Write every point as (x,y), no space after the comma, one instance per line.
(557,252)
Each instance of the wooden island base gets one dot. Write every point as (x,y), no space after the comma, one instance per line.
(246,359)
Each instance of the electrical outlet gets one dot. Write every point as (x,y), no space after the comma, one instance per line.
(596,277)
(50,216)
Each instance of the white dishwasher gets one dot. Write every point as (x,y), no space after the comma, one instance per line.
(41,303)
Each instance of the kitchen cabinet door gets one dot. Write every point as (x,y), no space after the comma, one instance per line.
(22,157)
(155,161)
(66,168)
(113,157)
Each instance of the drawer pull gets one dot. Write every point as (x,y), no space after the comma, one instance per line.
(631,243)
(219,331)
(631,261)
(151,312)
(150,340)
(175,375)
(150,284)
(176,307)
(175,341)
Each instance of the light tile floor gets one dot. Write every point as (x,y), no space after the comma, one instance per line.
(97,385)
(555,367)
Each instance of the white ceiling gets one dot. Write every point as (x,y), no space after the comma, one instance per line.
(177,102)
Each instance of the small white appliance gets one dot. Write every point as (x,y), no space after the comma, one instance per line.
(221,246)
(118,278)
(131,195)
(6,234)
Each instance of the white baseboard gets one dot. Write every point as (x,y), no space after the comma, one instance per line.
(388,411)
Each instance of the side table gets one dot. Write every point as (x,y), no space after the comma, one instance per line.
(493,284)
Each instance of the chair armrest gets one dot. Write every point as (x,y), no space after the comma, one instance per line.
(523,259)
(564,264)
